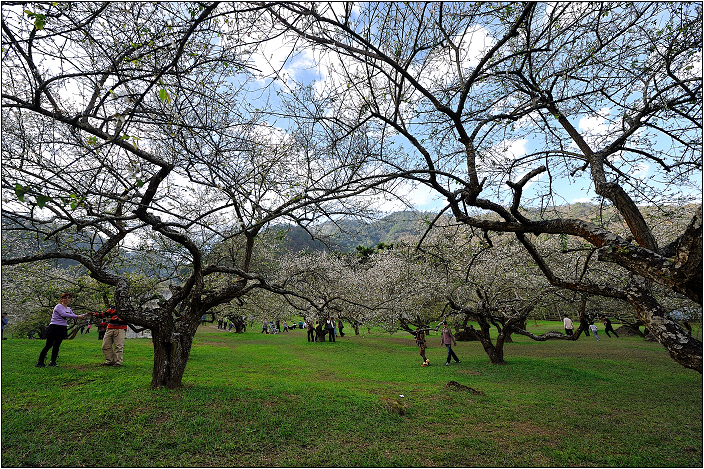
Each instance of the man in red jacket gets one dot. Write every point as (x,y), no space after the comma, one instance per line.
(102,327)
(114,337)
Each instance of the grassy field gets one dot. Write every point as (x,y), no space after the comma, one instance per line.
(276,400)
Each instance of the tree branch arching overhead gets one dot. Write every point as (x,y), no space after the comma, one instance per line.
(604,91)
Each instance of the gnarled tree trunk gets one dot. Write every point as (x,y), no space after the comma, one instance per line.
(682,347)
(172,347)
(494,352)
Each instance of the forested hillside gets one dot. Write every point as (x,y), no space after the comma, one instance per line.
(345,235)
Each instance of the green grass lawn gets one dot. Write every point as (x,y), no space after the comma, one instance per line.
(276,400)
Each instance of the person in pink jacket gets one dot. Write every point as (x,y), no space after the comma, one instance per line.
(447,339)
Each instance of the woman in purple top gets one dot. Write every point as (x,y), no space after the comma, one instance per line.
(56,332)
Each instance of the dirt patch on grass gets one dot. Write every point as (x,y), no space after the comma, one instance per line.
(455,386)
(87,367)
(163,418)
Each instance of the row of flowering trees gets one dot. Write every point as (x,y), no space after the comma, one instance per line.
(512,106)
(461,275)
(467,277)
(140,138)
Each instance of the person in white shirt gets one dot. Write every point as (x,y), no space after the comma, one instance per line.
(592,328)
(569,327)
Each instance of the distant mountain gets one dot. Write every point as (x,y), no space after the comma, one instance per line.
(345,235)
(19,242)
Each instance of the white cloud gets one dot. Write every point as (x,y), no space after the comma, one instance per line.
(440,69)
(595,124)
(516,148)
(277,56)
(420,197)
(282,54)
(639,170)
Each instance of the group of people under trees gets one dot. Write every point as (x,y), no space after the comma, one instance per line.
(112,331)
(224,323)
(318,330)
(274,327)
(447,338)
(569,327)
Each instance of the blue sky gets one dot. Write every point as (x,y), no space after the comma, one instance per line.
(306,66)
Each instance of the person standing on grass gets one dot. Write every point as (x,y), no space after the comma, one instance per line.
(569,327)
(114,339)
(57,330)
(447,339)
(330,326)
(608,327)
(311,331)
(4,323)
(340,327)
(420,340)
(593,328)
(319,335)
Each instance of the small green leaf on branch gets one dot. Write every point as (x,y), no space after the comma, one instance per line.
(164,95)
(42,200)
(20,191)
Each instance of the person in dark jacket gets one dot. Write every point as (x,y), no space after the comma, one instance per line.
(114,339)
(319,334)
(340,327)
(311,331)
(608,327)
(330,328)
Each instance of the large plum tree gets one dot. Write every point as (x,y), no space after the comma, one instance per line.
(130,126)
(513,106)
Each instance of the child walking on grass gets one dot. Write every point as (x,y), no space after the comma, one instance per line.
(592,327)
(420,340)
